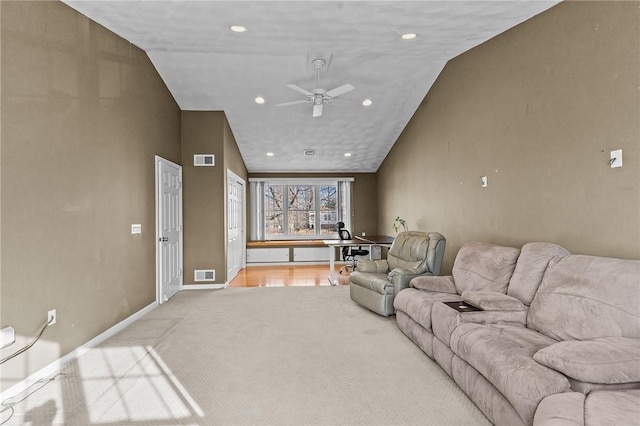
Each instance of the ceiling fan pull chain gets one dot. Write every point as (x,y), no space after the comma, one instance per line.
(318,67)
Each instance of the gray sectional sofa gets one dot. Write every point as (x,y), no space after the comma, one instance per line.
(556,340)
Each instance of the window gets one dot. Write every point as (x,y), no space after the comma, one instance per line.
(299,209)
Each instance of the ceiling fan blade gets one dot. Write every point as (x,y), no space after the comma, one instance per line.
(342,100)
(317,110)
(299,89)
(292,103)
(340,90)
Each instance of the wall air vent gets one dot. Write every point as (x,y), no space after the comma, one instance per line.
(200,275)
(204,160)
(309,152)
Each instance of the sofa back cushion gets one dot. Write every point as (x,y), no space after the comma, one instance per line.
(484,266)
(418,252)
(532,263)
(587,297)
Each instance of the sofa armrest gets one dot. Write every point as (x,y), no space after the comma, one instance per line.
(492,301)
(604,360)
(379,266)
(560,409)
(445,319)
(400,278)
(434,284)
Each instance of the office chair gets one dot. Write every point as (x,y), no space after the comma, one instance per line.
(348,252)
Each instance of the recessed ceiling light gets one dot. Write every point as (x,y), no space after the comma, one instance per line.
(259,100)
(238,28)
(367,102)
(409,36)
(270,154)
(347,154)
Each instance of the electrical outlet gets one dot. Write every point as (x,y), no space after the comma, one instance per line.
(52,317)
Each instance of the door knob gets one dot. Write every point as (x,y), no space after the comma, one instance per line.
(163,239)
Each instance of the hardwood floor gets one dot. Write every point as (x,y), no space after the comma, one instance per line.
(286,275)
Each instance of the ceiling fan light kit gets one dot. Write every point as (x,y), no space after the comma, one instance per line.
(318,96)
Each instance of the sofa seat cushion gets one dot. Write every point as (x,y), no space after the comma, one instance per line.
(620,407)
(372,281)
(417,304)
(445,319)
(504,355)
(605,360)
(492,301)
(586,387)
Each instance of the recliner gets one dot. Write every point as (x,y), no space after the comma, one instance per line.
(374,284)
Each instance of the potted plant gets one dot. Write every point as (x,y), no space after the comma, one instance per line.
(398,222)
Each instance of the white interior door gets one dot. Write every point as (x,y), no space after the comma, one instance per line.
(169,228)
(235,225)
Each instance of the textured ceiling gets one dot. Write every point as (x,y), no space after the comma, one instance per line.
(208,67)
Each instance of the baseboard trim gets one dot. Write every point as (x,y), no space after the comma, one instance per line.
(204,286)
(76,353)
(310,263)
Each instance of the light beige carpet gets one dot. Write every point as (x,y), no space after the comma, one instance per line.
(245,356)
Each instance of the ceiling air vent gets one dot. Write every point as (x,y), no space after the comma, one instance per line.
(204,160)
(204,275)
(309,152)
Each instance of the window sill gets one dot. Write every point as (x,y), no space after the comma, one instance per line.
(285,243)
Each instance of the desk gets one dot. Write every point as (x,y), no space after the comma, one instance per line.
(375,240)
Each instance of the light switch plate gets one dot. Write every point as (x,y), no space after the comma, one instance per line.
(136,228)
(616,158)
(7,337)
(484,182)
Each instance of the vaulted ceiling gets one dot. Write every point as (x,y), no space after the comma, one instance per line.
(206,66)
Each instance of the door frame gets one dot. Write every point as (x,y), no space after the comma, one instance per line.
(158,161)
(235,177)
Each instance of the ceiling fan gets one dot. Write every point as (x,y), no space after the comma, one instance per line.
(318,97)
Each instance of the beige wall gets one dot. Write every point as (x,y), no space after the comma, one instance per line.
(83,114)
(204,191)
(203,194)
(232,156)
(537,110)
(365,197)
